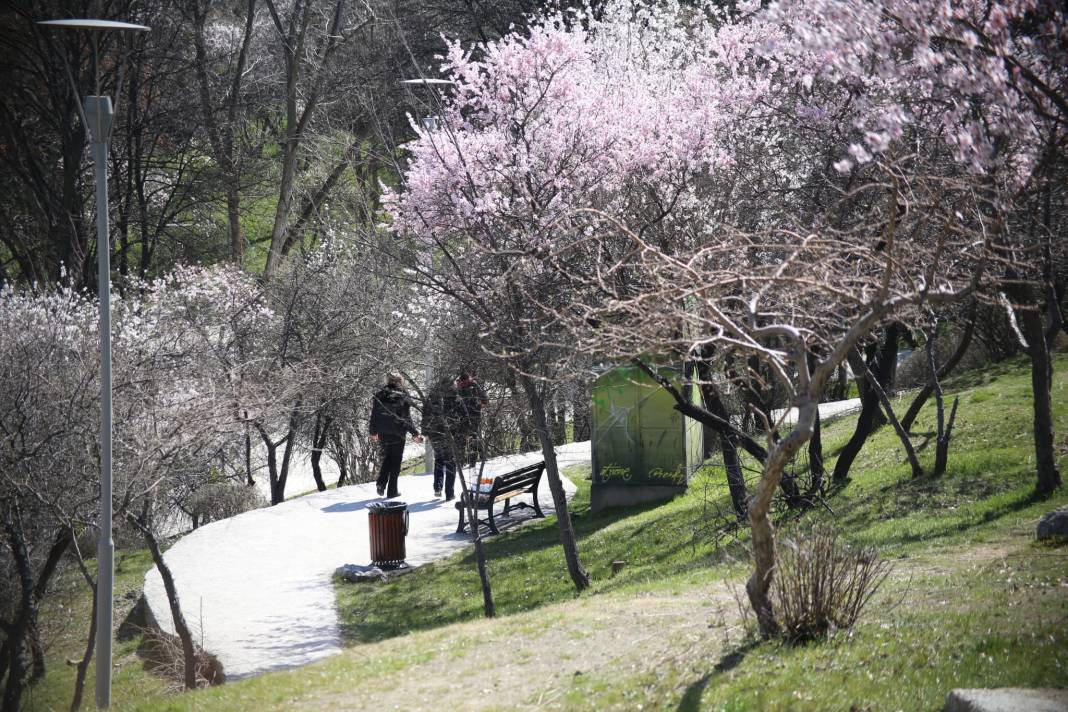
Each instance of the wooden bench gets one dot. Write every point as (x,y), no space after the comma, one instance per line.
(507,486)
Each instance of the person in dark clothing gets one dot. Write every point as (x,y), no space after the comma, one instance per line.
(472,400)
(391,421)
(440,420)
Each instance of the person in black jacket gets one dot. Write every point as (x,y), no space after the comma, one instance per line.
(440,422)
(391,421)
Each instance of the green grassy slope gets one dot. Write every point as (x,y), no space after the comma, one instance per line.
(972,601)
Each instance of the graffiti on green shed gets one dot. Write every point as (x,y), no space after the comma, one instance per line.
(638,436)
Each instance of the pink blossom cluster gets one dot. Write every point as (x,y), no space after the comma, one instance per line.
(984,77)
(596,110)
(577,111)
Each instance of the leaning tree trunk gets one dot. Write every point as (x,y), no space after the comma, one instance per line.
(857,362)
(759,584)
(728,442)
(180,626)
(83,664)
(868,420)
(944,370)
(578,574)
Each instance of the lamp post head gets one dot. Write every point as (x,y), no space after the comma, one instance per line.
(98,112)
(89,24)
(428,82)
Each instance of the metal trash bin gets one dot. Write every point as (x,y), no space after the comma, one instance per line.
(388,522)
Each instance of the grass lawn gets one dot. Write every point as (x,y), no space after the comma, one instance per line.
(973,601)
(65,616)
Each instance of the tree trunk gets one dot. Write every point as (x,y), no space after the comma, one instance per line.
(341,456)
(759,583)
(23,629)
(301,104)
(248,460)
(559,419)
(22,634)
(279,493)
(323,425)
(189,658)
(233,216)
(272,461)
(578,574)
(946,368)
(83,664)
(15,645)
(841,381)
(728,441)
(489,609)
(816,469)
(1034,331)
(942,447)
(277,475)
(881,363)
(857,362)
(580,410)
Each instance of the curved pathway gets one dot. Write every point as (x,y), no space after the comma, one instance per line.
(256,589)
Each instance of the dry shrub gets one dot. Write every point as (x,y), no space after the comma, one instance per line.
(223,499)
(822,584)
(162,653)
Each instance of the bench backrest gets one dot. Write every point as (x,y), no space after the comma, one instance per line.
(518,479)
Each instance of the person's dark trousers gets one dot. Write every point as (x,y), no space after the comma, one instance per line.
(392,453)
(444,470)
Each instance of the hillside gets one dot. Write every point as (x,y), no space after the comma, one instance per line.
(972,601)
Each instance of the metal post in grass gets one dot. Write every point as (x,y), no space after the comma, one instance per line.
(97,115)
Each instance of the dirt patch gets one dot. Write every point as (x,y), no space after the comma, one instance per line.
(532,659)
(947,561)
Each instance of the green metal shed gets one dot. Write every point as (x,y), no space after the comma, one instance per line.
(642,448)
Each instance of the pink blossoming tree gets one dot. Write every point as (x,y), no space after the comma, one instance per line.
(771,183)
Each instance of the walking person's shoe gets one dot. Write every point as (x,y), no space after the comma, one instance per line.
(381,490)
(437,493)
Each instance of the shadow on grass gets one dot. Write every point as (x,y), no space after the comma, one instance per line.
(691,699)
(526,567)
(1021,501)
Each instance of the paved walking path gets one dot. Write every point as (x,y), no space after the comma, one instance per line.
(827,410)
(256,589)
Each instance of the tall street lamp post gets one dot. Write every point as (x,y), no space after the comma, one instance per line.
(97,115)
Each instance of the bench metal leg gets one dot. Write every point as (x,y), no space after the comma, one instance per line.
(507,506)
(492,524)
(463,523)
(537,507)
